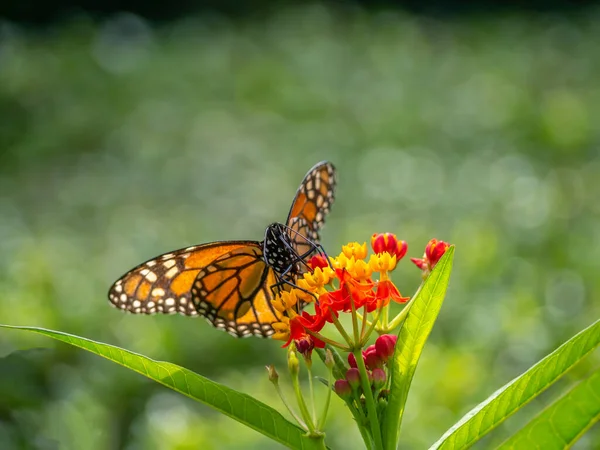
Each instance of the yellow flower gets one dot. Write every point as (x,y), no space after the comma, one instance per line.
(282,329)
(382,262)
(356,250)
(318,277)
(361,270)
(304,291)
(285,300)
(342,261)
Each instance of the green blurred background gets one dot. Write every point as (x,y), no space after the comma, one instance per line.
(121,139)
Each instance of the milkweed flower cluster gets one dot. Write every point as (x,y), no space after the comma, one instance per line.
(360,286)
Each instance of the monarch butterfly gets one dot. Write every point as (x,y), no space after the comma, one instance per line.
(230,283)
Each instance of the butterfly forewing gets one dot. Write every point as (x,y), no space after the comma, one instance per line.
(314,198)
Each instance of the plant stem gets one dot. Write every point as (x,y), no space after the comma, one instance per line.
(371,407)
(312,393)
(354,320)
(328,341)
(302,405)
(364,323)
(365,337)
(290,410)
(323,418)
(364,432)
(341,330)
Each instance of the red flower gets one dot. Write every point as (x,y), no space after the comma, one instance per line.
(304,341)
(388,242)
(387,290)
(313,323)
(433,252)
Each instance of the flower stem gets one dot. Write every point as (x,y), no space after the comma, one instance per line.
(354,320)
(312,393)
(370,403)
(364,322)
(302,405)
(365,337)
(290,410)
(364,432)
(341,330)
(323,418)
(328,341)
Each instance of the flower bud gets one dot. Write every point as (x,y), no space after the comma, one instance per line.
(353,377)
(352,359)
(379,378)
(273,375)
(343,389)
(318,261)
(293,363)
(372,359)
(329,359)
(385,345)
(388,242)
(305,345)
(433,252)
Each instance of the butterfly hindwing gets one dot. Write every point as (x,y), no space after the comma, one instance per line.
(233,293)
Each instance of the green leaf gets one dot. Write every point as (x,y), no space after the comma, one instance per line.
(411,340)
(236,405)
(512,396)
(563,422)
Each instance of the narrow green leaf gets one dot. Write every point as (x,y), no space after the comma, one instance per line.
(411,340)
(563,422)
(512,396)
(238,406)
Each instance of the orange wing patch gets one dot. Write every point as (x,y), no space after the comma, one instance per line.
(233,293)
(163,284)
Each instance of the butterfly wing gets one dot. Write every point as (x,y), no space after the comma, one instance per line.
(234,293)
(226,282)
(313,200)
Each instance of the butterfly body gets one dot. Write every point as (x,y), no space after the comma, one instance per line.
(230,283)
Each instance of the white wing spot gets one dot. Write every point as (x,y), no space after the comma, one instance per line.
(123,298)
(158,292)
(171,272)
(151,277)
(170,301)
(168,264)
(136,304)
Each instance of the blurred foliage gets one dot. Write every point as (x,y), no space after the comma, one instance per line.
(120,140)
